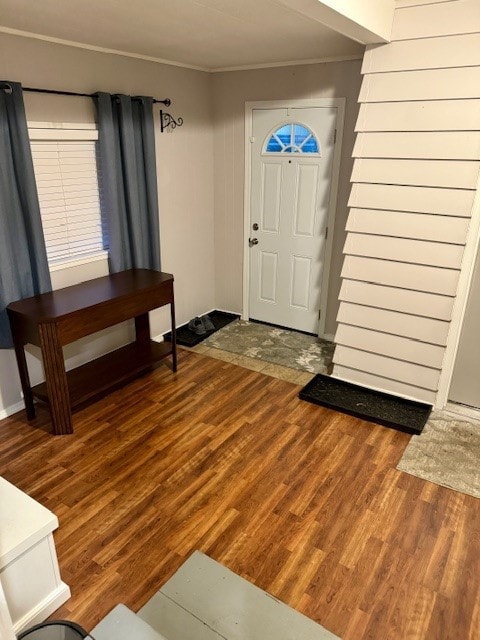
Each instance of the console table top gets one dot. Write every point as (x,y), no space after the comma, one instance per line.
(57,304)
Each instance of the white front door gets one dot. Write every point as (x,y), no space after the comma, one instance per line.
(291,170)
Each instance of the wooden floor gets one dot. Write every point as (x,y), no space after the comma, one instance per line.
(302,501)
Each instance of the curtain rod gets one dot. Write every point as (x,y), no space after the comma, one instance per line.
(167,102)
(166,120)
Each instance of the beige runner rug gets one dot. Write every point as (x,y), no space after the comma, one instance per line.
(446,453)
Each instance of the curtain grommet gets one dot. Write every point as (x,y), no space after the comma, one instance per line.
(7,88)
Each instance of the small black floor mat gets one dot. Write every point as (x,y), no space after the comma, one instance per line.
(382,408)
(188,338)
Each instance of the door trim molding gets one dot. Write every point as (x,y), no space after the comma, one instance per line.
(339,103)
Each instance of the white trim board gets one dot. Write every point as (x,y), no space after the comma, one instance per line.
(62,125)
(339,103)
(42,610)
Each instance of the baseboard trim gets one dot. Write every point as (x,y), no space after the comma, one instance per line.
(234,313)
(461,411)
(330,337)
(43,609)
(13,408)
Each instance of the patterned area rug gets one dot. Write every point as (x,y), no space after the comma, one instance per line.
(278,346)
(446,453)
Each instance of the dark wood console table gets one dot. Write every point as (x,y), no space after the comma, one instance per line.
(54,319)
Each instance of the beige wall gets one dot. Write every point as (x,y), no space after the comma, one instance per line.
(231,91)
(203,249)
(184,166)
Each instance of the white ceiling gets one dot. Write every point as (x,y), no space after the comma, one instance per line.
(207,34)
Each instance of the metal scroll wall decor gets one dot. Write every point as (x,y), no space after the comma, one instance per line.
(168,122)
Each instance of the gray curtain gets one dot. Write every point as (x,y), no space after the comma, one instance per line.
(23,258)
(128,180)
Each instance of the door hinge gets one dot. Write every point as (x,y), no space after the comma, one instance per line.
(252,139)
(334,136)
(319,313)
(326,233)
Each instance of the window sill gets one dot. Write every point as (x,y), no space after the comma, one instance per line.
(68,264)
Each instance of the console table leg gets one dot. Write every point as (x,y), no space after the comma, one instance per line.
(56,379)
(24,378)
(174,336)
(142,329)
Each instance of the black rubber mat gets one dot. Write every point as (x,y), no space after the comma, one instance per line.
(390,411)
(188,338)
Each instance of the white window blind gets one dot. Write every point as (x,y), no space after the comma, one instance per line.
(65,164)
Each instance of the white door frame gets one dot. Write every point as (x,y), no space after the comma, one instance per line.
(339,103)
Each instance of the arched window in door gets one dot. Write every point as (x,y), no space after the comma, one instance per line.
(292,138)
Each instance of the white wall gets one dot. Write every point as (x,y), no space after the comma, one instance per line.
(417,160)
(184,166)
(230,92)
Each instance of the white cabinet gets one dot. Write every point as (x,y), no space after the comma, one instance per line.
(29,572)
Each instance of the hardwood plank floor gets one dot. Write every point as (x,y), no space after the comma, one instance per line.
(303,501)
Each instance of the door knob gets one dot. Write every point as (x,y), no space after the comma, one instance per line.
(252,242)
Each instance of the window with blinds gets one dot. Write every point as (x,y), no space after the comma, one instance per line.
(65,164)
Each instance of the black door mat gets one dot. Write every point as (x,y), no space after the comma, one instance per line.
(390,411)
(188,338)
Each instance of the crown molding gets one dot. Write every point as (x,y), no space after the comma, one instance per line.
(174,63)
(91,47)
(288,63)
